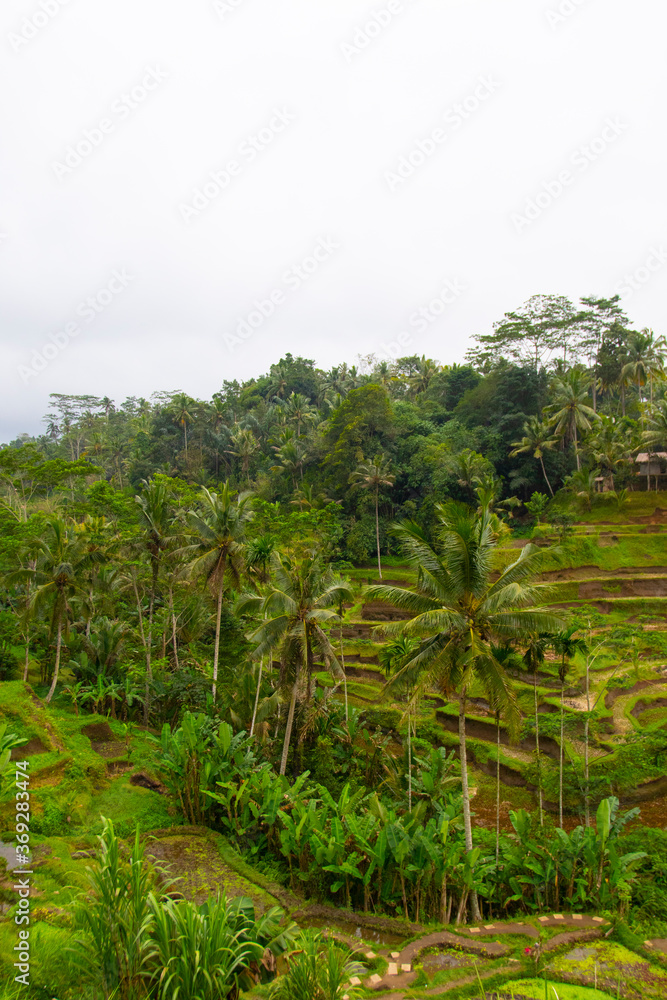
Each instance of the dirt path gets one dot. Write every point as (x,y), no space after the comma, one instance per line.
(400,974)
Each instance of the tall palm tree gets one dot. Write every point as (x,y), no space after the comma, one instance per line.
(244,445)
(420,379)
(655,434)
(59,577)
(609,445)
(460,614)
(533,658)
(218,547)
(181,405)
(300,601)
(392,656)
(570,410)
(156,519)
(566,646)
(371,476)
(299,411)
(538,437)
(646,360)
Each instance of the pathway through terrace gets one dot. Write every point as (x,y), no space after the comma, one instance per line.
(400,975)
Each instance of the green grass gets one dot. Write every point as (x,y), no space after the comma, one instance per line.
(534,989)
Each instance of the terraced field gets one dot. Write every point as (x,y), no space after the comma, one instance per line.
(610,577)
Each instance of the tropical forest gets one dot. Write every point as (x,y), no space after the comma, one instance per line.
(344,683)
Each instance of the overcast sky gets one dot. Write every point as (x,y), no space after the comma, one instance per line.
(372,160)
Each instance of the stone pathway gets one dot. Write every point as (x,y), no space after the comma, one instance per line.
(400,975)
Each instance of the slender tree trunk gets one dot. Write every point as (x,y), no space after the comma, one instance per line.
(149,671)
(216,648)
(623,398)
(467,825)
(587,804)
(544,473)
(576,447)
(497,790)
(409,763)
(377,530)
(173,627)
(27,654)
(537,747)
(141,617)
(342,663)
(288,728)
(259,684)
(562,731)
(56,669)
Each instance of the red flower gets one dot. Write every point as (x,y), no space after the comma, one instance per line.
(527,951)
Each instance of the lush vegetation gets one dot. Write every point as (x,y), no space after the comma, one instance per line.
(364,626)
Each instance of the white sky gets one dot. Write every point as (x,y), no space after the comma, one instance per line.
(219,75)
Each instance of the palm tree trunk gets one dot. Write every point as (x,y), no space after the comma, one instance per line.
(56,669)
(173,627)
(587,804)
(497,789)
(562,731)
(377,530)
(576,447)
(537,746)
(409,764)
(27,654)
(259,684)
(467,825)
(342,663)
(149,672)
(288,728)
(544,473)
(216,649)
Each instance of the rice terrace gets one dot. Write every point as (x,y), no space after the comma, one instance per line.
(343,683)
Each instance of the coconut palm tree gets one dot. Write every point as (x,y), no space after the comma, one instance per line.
(156,518)
(459,614)
(646,361)
(59,577)
(609,445)
(538,437)
(535,650)
(298,411)
(569,410)
(392,656)
(371,476)
(566,646)
(299,602)
(218,548)
(420,379)
(244,445)
(181,405)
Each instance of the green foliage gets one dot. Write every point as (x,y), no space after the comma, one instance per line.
(318,970)
(197,756)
